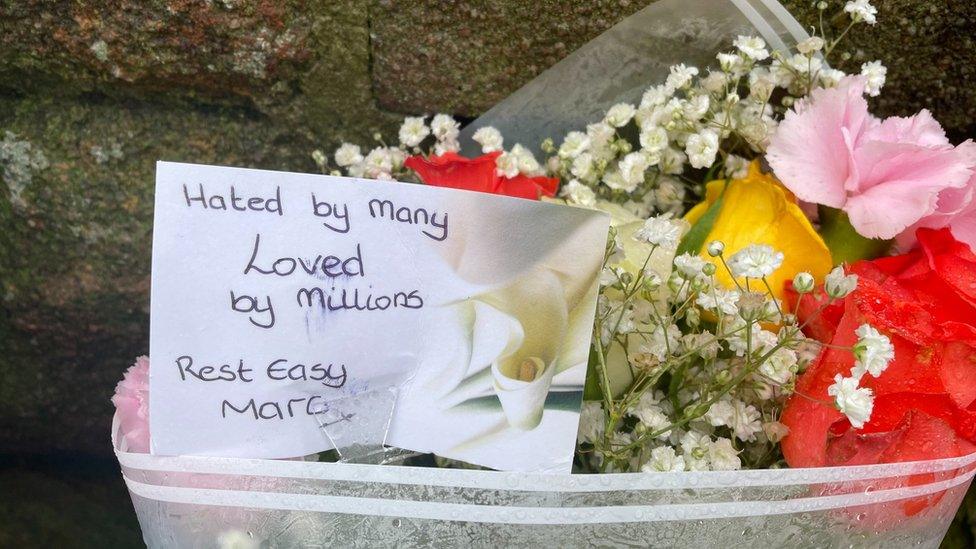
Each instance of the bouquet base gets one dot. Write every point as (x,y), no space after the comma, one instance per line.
(208,502)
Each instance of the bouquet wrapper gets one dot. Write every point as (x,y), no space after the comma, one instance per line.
(205,501)
(188,501)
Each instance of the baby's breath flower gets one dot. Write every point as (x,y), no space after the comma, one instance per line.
(653,140)
(780,366)
(507,165)
(694,109)
(347,155)
(489,138)
(752,46)
(633,167)
(413,131)
(527,164)
(746,421)
(838,285)
(680,76)
(854,402)
(811,45)
(732,63)
(378,163)
(664,460)
(672,161)
(716,248)
(584,168)
(578,193)
(662,341)
(736,166)
(702,148)
(720,413)
(620,114)
(444,127)
(660,231)
(446,146)
(613,179)
(875,74)
(715,82)
(873,352)
(751,305)
(755,261)
(829,78)
(689,266)
(719,300)
(574,144)
(722,456)
(862,10)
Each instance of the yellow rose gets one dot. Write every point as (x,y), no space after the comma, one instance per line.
(757,209)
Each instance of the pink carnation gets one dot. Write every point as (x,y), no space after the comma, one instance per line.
(885,174)
(956,209)
(131,401)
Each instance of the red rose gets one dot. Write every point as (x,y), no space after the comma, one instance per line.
(925,402)
(478,174)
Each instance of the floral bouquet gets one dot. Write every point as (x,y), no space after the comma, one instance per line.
(789,281)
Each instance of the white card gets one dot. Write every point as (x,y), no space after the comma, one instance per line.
(275,293)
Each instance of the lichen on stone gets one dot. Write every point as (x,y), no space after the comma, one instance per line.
(18,162)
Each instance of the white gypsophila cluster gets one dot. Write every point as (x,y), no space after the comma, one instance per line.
(694,120)
(413,131)
(489,138)
(862,10)
(873,351)
(875,74)
(703,395)
(755,261)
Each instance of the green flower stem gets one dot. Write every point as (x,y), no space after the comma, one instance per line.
(846,245)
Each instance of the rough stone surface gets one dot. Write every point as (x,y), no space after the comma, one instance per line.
(464,56)
(75,254)
(930,50)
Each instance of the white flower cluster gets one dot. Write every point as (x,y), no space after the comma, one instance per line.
(873,352)
(704,395)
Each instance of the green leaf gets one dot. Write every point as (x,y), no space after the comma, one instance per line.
(591,387)
(695,239)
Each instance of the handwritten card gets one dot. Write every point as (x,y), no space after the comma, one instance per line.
(274,294)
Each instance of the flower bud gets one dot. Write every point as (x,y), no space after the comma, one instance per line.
(652,282)
(803,283)
(838,285)
(675,281)
(708,269)
(716,248)
(626,278)
(752,306)
(548,146)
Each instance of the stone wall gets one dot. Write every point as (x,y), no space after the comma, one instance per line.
(93,92)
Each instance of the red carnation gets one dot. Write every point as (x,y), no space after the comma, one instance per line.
(925,402)
(478,174)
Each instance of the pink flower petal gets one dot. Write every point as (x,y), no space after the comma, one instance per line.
(811,150)
(922,129)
